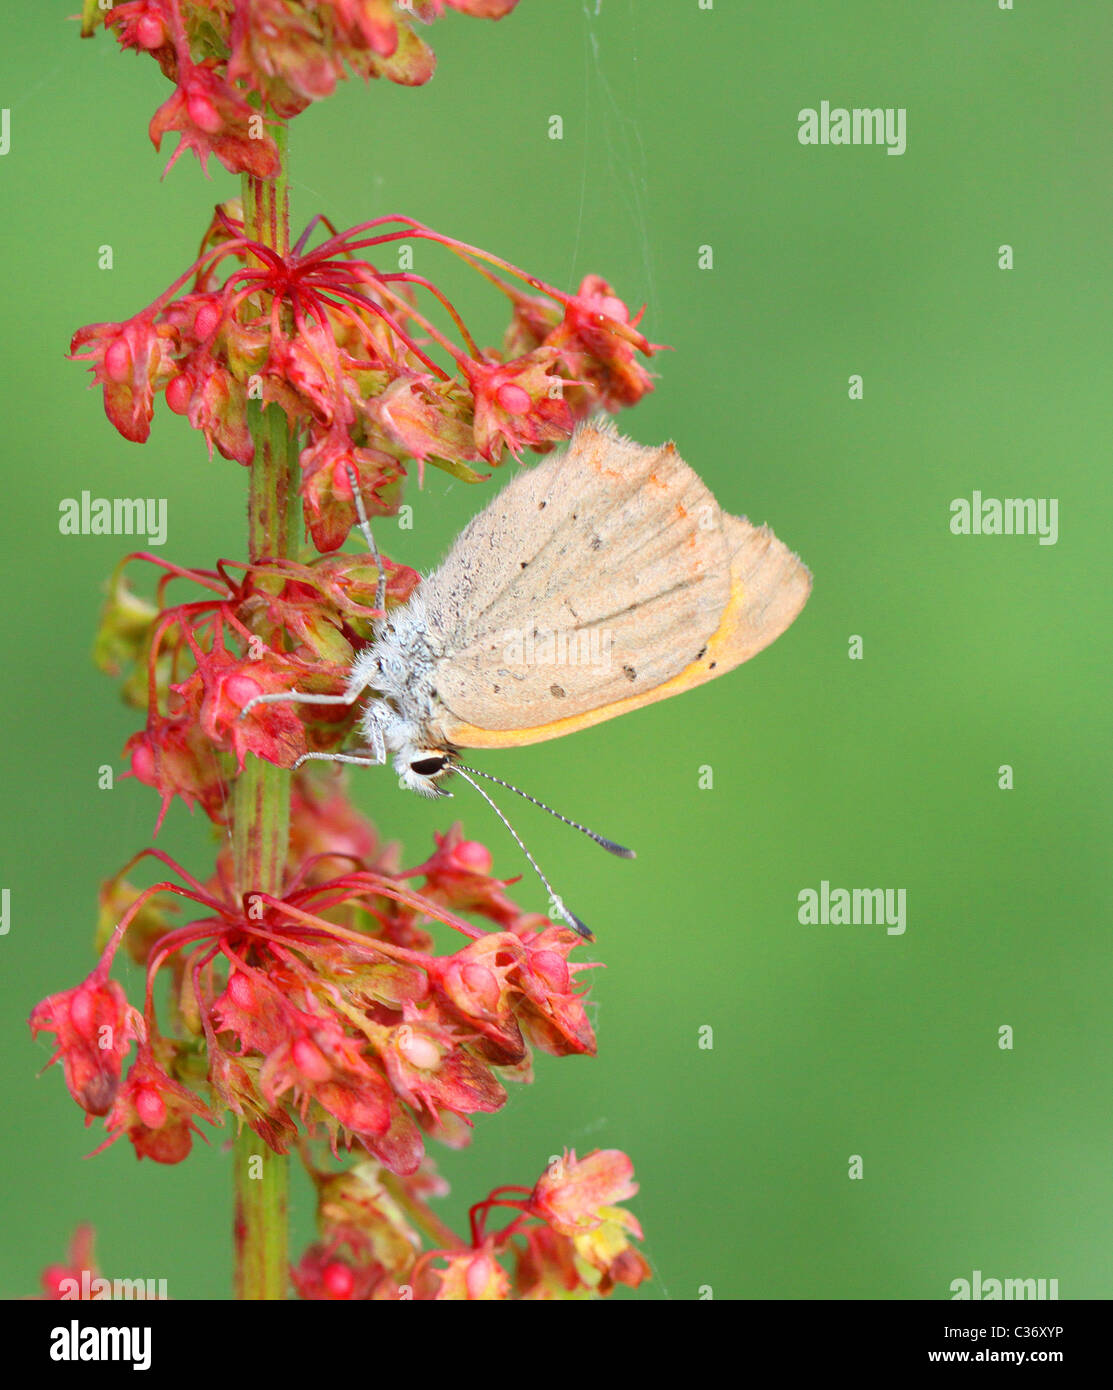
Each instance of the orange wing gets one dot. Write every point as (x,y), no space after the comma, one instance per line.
(768,587)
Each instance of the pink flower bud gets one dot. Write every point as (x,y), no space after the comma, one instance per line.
(310,1060)
(513,399)
(419,1050)
(179,393)
(338,1279)
(94,1029)
(83,1013)
(241,991)
(118,360)
(242,689)
(207,320)
(143,764)
(203,113)
(480,985)
(149,32)
(472,857)
(150,1107)
(481,1274)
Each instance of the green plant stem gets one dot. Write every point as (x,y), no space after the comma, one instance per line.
(261,797)
(262,1183)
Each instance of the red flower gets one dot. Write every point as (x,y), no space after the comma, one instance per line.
(255,1010)
(142,25)
(519,404)
(429,1069)
(552,1013)
(344,349)
(286,52)
(237,1087)
(546,1267)
(325,1274)
(215,695)
(576,1198)
(572,1194)
(314,617)
(156,1113)
(318,1061)
(428,421)
(355,1208)
(314,1019)
(533,319)
(214,118)
(473,1275)
(365,1039)
(174,757)
(458,876)
(330,509)
(132,361)
(94,1025)
(479,985)
(216,404)
(597,342)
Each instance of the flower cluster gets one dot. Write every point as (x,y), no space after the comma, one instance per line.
(261,629)
(344,349)
(219,54)
(327,1013)
(326,1009)
(568,1238)
(379,1239)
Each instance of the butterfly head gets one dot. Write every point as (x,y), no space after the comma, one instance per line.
(421,770)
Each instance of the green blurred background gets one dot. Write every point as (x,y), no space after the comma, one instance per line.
(679,132)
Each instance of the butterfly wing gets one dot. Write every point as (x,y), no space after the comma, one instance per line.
(603,579)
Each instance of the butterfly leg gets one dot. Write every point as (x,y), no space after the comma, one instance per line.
(296,697)
(367,759)
(374,756)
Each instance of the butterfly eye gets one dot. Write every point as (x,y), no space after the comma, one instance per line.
(426,767)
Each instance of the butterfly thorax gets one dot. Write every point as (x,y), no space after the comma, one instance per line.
(401,715)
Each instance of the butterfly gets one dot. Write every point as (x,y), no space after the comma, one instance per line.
(603,579)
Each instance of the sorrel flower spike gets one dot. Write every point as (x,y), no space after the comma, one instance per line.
(294,1013)
(363,374)
(284,53)
(306,991)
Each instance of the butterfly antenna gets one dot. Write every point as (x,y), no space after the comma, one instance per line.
(609,845)
(556,904)
(365,527)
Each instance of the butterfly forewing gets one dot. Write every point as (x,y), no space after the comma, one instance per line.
(594,577)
